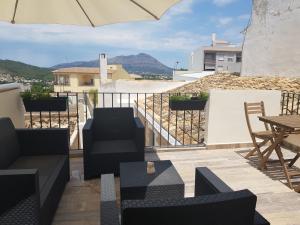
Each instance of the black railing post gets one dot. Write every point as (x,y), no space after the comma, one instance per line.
(287,103)
(169,112)
(77,117)
(293,99)
(68,110)
(282,102)
(31,123)
(137,104)
(199,127)
(160,121)
(41,122)
(176,115)
(85,104)
(50,120)
(298,103)
(183,127)
(120,100)
(103,99)
(58,112)
(153,114)
(192,118)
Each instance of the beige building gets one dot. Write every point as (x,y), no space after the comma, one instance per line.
(82,79)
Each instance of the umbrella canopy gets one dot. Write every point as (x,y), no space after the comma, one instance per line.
(82,12)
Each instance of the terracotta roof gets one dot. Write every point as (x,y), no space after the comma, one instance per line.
(84,70)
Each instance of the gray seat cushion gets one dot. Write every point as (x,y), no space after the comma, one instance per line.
(115,146)
(48,166)
(9,146)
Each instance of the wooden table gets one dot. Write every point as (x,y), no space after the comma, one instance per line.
(281,126)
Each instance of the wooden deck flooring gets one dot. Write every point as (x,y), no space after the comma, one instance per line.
(281,206)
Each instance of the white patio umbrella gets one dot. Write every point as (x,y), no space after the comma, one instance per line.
(82,12)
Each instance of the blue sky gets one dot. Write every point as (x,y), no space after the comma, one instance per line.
(183,28)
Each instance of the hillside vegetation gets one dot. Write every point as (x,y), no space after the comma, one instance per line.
(24,70)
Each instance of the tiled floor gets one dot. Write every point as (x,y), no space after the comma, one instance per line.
(280,205)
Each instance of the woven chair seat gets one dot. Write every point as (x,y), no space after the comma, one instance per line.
(263,134)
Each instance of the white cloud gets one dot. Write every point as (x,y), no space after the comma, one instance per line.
(117,36)
(244,17)
(222,21)
(221,3)
(184,7)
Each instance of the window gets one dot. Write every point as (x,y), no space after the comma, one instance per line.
(63,80)
(87,82)
(221,57)
(230,59)
(239,57)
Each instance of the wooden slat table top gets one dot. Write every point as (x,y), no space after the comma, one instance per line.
(291,122)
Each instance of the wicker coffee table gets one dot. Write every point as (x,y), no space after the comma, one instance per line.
(135,183)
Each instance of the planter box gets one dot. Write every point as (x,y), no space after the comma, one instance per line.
(53,104)
(188,105)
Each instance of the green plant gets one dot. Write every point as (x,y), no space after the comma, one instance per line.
(177,98)
(202,96)
(27,95)
(37,92)
(93,95)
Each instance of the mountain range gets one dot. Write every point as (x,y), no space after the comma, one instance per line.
(142,63)
(139,64)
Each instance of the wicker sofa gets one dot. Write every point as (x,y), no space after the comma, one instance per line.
(214,204)
(34,169)
(111,137)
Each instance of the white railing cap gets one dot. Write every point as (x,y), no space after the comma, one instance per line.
(11,86)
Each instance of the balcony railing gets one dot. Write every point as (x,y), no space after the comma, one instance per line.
(163,126)
(290,103)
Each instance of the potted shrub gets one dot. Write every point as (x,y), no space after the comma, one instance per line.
(39,100)
(188,102)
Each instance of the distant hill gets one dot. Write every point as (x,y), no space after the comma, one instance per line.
(20,69)
(138,64)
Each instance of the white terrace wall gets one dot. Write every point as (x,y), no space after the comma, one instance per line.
(11,104)
(133,87)
(225,116)
(139,86)
(271,44)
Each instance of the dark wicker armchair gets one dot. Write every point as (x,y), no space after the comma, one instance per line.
(34,170)
(111,137)
(210,206)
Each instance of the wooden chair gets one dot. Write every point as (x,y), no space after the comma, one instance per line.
(257,108)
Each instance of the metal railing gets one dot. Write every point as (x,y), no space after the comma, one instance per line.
(163,126)
(290,103)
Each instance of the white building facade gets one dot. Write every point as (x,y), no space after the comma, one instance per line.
(220,56)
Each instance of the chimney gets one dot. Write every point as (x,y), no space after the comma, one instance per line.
(103,66)
(213,38)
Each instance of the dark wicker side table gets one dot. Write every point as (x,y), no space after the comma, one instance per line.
(135,183)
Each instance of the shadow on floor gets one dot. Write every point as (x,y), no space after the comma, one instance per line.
(274,169)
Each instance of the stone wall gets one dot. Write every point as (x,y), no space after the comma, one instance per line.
(271,44)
